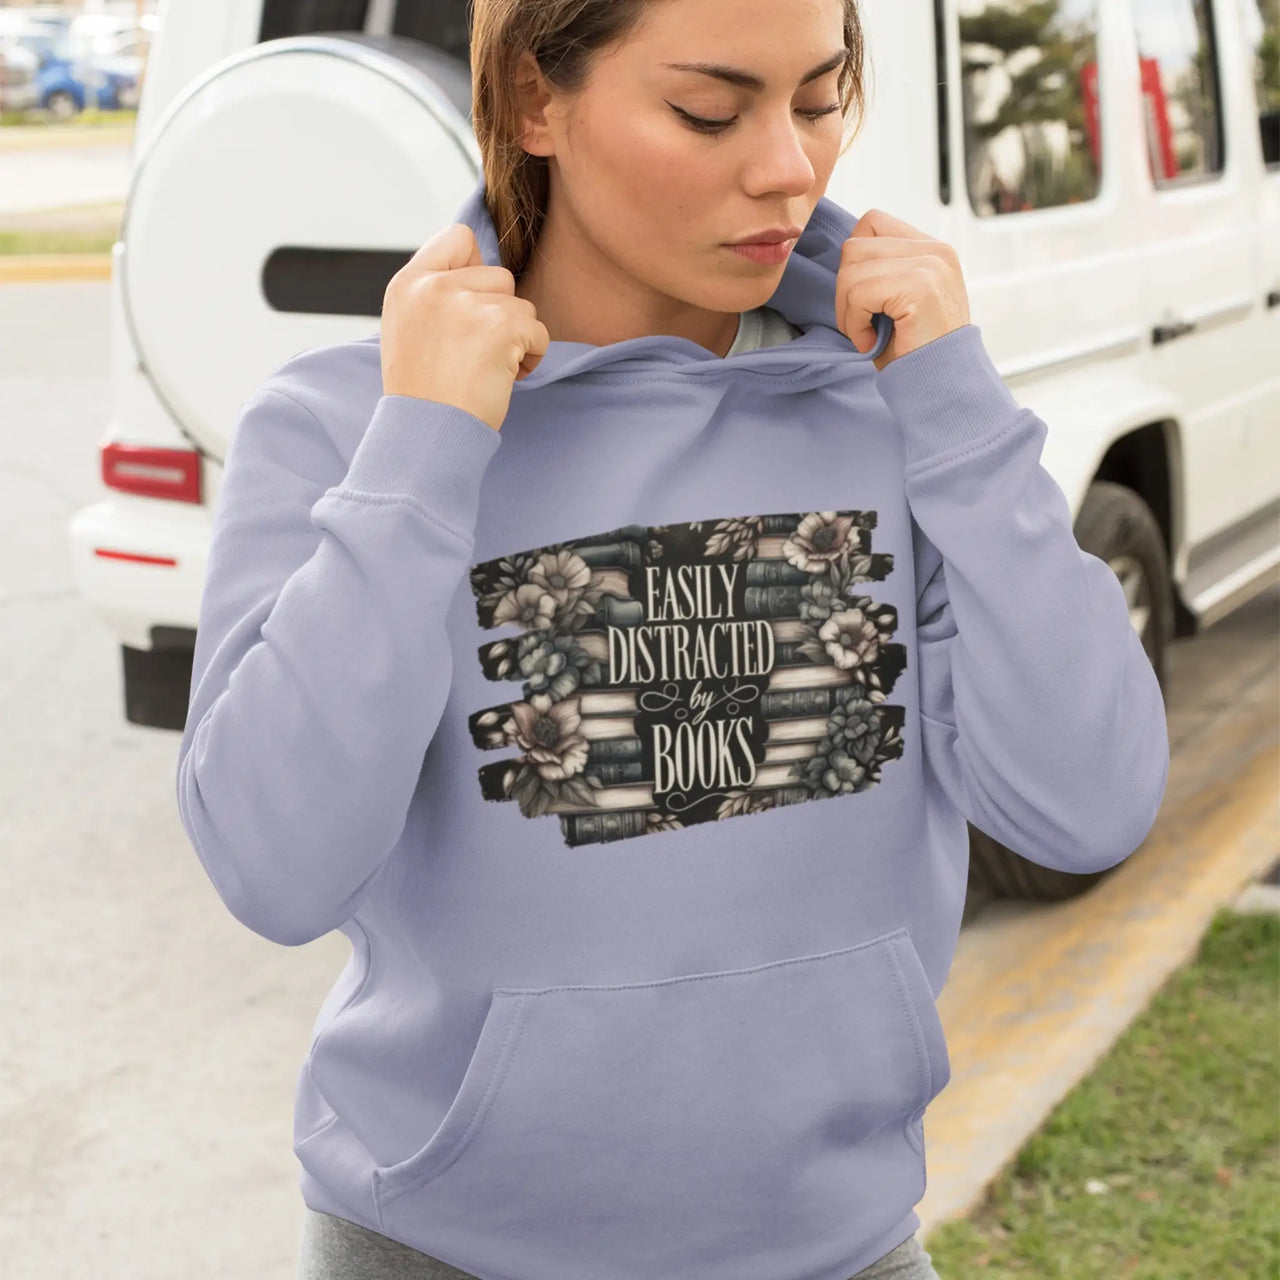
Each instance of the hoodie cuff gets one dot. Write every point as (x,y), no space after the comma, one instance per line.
(946,394)
(431,453)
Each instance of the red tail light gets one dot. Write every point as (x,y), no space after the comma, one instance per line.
(150,472)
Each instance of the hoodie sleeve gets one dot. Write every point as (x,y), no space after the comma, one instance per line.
(1043,717)
(322,663)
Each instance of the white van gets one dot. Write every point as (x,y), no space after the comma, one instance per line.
(1109,173)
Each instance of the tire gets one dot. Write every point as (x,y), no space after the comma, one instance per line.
(1118,527)
(62,104)
(157,686)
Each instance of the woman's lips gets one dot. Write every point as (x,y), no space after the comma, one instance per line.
(769,254)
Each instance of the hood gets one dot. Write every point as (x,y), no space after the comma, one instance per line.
(805,296)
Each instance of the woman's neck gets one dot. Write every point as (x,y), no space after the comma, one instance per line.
(581,298)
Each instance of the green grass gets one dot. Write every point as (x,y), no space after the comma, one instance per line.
(1180,1120)
(84,228)
(90,116)
(56,242)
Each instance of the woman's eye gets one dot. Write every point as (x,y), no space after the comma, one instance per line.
(719,126)
(703,126)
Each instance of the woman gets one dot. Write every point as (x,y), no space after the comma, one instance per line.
(535,625)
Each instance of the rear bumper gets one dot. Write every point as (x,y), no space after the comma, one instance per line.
(163,588)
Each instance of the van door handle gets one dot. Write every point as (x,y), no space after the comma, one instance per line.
(1273,298)
(1167,332)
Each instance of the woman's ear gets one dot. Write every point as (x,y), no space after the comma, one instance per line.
(534,99)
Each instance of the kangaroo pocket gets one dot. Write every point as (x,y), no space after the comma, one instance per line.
(758,1121)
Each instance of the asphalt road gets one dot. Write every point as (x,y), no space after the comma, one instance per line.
(150,1041)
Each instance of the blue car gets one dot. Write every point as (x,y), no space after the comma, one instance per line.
(65,85)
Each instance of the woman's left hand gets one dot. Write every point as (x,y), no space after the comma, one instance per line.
(888,265)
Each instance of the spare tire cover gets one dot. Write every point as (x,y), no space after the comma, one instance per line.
(321,142)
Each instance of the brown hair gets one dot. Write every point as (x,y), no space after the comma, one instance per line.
(563,35)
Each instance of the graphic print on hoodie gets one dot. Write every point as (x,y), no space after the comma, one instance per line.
(684,673)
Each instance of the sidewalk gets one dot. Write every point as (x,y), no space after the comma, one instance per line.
(46,177)
(45,136)
(1035,998)
(61,185)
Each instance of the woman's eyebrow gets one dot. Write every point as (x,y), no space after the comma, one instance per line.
(747,80)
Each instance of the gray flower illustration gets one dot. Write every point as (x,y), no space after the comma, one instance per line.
(818,600)
(563,575)
(548,733)
(822,539)
(848,757)
(555,664)
(529,605)
(850,638)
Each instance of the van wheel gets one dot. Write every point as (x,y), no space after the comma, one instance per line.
(1117,526)
(157,685)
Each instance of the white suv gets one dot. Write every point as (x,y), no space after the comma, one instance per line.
(1108,171)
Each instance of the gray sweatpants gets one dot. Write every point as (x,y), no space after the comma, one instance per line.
(335,1249)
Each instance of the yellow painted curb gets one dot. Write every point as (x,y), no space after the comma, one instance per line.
(48,137)
(1037,995)
(26,267)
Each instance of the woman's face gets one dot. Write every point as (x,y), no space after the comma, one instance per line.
(654,197)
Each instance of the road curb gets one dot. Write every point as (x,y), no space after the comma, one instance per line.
(51,137)
(1036,997)
(54,137)
(26,268)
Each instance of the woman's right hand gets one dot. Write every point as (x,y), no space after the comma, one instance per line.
(454,331)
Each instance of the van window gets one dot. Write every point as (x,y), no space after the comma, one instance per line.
(301,17)
(1178,67)
(1261,22)
(442,23)
(1029,94)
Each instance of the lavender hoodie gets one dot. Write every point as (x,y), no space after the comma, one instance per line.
(632,748)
